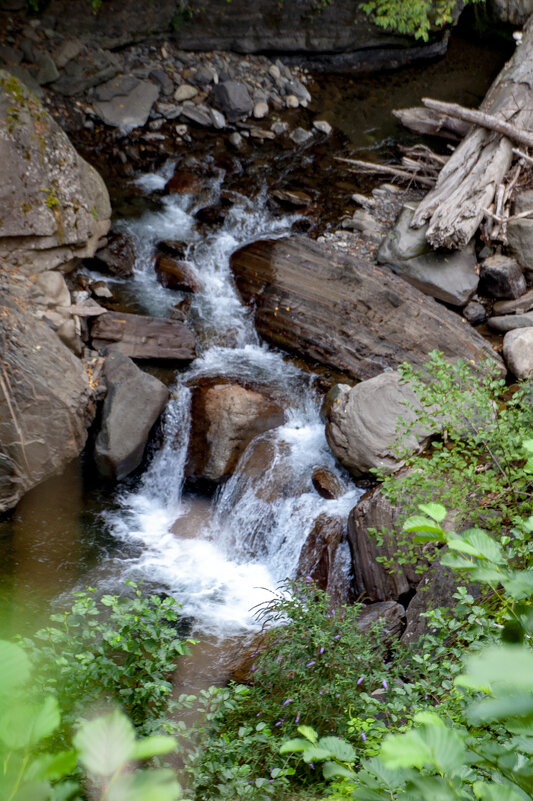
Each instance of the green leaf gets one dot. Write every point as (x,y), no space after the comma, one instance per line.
(15,667)
(495,792)
(309,733)
(25,725)
(490,710)
(436,511)
(519,585)
(417,523)
(149,785)
(315,754)
(52,766)
(405,751)
(504,666)
(338,749)
(295,746)
(486,546)
(332,770)
(156,745)
(105,744)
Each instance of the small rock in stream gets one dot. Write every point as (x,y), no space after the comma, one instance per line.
(501,277)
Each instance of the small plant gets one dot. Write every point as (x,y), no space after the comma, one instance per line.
(335,755)
(113,648)
(415,18)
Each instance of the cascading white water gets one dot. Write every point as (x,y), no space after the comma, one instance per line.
(221,560)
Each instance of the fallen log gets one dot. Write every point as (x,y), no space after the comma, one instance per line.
(430,123)
(468,183)
(481,118)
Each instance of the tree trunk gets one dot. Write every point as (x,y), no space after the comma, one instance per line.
(467,184)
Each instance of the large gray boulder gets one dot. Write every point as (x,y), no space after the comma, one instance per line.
(55,206)
(125,102)
(133,403)
(518,352)
(364,424)
(233,98)
(46,402)
(447,275)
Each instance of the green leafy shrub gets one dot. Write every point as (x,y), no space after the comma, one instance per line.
(414,17)
(479,465)
(112,648)
(106,747)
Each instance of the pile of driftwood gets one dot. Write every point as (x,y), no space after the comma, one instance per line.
(474,186)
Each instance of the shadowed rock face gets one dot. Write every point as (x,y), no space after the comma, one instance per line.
(345,312)
(55,206)
(45,403)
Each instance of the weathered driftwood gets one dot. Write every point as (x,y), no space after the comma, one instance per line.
(430,123)
(475,117)
(419,164)
(468,183)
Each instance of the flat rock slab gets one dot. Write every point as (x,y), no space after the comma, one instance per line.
(511,321)
(143,337)
(127,107)
(345,312)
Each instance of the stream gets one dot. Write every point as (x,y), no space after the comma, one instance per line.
(223,555)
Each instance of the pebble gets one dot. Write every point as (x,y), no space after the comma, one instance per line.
(279,127)
(181,129)
(218,119)
(299,136)
(322,126)
(185,92)
(291,101)
(260,110)
(236,140)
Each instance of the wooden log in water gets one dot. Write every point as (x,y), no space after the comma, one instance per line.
(467,184)
(430,123)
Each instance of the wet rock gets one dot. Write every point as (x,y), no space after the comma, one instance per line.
(379,573)
(233,99)
(475,312)
(132,405)
(368,226)
(390,613)
(175,274)
(295,198)
(291,101)
(183,183)
(49,389)
(174,247)
(518,352)
(160,77)
(345,312)
(170,111)
(66,51)
(236,140)
(9,55)
(118,257)
(48,72)
(127,108)
(501,277)
(42,230)
(446,275)
(516,306)
(520,243)
(319,559)
(327,484)
(100,289)
(322,126)
(197,113)
(434,591)
(185,92)
(217,118)
(300,136)
(362,427)
(212,215)
(261,133)
(225,419)
(279,127)
(142,337)
(509,322)
(88,69)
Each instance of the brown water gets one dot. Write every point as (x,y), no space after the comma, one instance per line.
(55,537)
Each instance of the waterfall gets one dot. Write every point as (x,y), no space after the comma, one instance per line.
(223,557)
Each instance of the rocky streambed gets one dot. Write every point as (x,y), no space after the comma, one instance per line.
(185,342)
